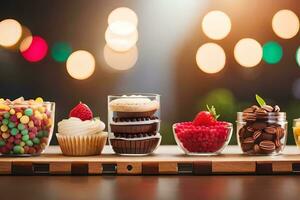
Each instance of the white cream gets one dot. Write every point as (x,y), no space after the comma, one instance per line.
(75,126)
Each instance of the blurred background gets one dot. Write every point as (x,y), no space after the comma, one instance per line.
(162,59)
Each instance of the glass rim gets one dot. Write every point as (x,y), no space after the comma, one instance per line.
(26,103)
(128,95)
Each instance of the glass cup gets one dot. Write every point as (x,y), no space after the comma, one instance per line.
(134,123)
(201,144)
(26,128)
(262,136)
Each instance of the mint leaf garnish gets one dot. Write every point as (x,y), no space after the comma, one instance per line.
(212,111)
(260,100)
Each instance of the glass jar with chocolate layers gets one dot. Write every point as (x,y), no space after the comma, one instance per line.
(262,130)
(133,123)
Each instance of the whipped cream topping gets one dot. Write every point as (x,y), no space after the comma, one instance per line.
(75,126)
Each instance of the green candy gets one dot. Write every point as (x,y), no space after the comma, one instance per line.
(25,138)
(14,131)
(21,127)
(5,121)
(22,144)
(6,115)
(17,149)
(29,143)
(36,140)
(2,143)
(28,112)
(46,133)
(11,125)
(40,134)
(24,132)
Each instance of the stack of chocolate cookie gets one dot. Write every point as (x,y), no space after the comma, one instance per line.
(263,130)
(134,125)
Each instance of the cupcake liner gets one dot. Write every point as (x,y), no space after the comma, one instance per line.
(135,147)
(82,145)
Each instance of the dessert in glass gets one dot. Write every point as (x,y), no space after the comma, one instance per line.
(262,130)
(205,135)
(296,131)
(81,134)
(133,123)
(26,126)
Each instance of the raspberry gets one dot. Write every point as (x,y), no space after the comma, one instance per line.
(202,139)
(81,111)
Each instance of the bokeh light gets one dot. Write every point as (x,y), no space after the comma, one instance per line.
(285,24)
(248,52)
(10,32)
(210,58)
(37,49)
(272,52)
(81,64)
(296,88)
(123,14)
(25,40)
(216,25)
(60,51)
(120,60)
(298,56)
(120,42)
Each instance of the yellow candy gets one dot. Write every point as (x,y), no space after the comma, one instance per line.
(4,107)
(3,128)
(39,100)
(44,116)
(24,119)
(19,115)
(42,109)
(5,135)
(12,111)
(31,124)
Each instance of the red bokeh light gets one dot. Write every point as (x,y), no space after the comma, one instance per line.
(37,50)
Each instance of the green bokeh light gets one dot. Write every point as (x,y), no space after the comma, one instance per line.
(298,56)
(272,52)
(61,51)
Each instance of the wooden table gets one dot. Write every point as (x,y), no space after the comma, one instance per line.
(166,160)
(150,187)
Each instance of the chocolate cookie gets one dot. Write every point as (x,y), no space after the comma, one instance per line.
(134,129)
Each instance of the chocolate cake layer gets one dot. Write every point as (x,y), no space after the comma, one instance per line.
(135,114)
(136,119)
(138,135)
(134,129)
(144,146)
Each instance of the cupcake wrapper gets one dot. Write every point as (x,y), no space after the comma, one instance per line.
(82,145)
(143,146)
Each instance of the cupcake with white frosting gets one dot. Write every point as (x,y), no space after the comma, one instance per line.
(81,134)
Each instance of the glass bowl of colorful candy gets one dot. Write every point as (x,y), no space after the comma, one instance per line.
(205,135)
(26,126)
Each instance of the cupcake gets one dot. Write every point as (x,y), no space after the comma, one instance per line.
(134,124)
(81,134)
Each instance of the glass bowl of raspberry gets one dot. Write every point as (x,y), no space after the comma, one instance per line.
(204,135)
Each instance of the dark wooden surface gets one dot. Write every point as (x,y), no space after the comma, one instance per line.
(150,187)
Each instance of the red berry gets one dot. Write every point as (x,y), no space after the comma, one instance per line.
(204,118)
(81,111)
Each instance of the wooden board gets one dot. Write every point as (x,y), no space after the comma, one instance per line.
(166,160)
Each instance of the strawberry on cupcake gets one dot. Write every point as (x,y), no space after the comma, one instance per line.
(81,134)
(204,135)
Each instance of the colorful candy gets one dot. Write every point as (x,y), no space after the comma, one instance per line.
(25,126)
